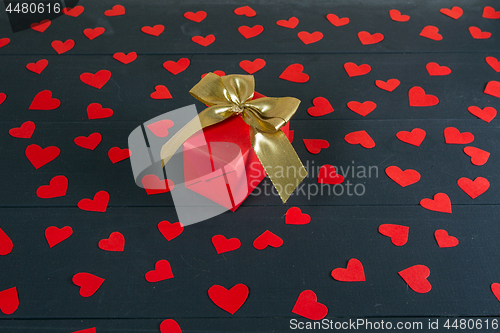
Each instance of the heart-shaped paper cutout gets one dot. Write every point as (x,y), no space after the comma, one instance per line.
(88,283)
(445,240)
(431,32)
(362,109)
(40,26)
(97,80)
(115,242)
(397,16)
(252,66)
(196,17)
(222,244)
(487,114)
(453,136)
(434,69)
(170,326)
(490,13)
(309,38)
(360,137)
(98,204)
(93,33)
(160,128)
(440,203)
(477,33)
(397,233)
(44,101)
(494,63)
(314,146)
(170,230)
(291,23)
(25,131)
(37,67)
(117,10)
(353,273)
(54,235)
(73,11)
(493,88)
(249,32)
(336,21)
(154,30)
(154,185)
(455,12)
(474,188)
(390,85)
(61,47)
(96,111)
(56,188)
(89,142)
(9,301)
(125,58)
(162,271)
(39,157)
(477,156)
(402,178)
(307,306)
(328,175)
(161,92)
(294,73)
(416,278)
(6,244)
(267,239)
(245,10)
(295,216)
(417,97)
(415,137)
(3,97)
(321,107)
(229,300)
(367,38)
(116,154)
(354,70)
(203,41)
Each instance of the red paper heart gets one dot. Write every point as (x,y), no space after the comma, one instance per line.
(153,31)
(117,154)
(221,73)
(295,216)
(115,11)
(396,16)
(390,85)
(267,239)
(170,230)
(487,114)
(402,178)
(6,244)
(415,137)
(455,13)
(435,70)
(98,204)
(416,278)
(353,273)
(40,27)
(307,306)
(125,58)
(490,13)
(176,67)
(360,137)
(3,97)
(453,136)
(321,107)
(4,41)
(89,142)
(291,23)
(252,66)
(431,32)
(309,38)
(93,33)
(88,283)
(248,32)
(477,156)
(417,97)
(440,203)
(161,92)
(362,108)
(73,11)
(162,271)
(9,301)
(39,157)
(245,10)
(328,175)
(54,235)
(477,33)
(494,63)
(57,188)
(115,242)
(196,17)
(153,185)
(495,288)
(61,47)
(37,67)
(294,73)
(87,330)
(170,326)
(44,101)
(367,38)
(474,188)
(336,21)
(444,240)
(203,41)
(314,146)
(354,70)
(493,88)
(160,128)
(222,244)
(397,233)
(97,80)
(229,300)
(24,132)
(96,111)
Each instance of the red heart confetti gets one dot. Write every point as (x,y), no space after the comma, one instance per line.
(397,16)
(93,33)
(477,156)
(97,80)
(267,239)
(125,58)
(9,301)
(170,326)
(294,73)
(3,97)
(170,230)
(153,31)
(57,188)
(495,288)
(4,41)
(353,273)
(431,32)
(117,10)
(354,70)
(162,271)
(24,132)
(40,26)
(153,185)
(161,92)
(494,63)
(61,47)
(89,142)
(435,70)
(321,107)
(445,240)
(37,67)
(397,233)
(314,146)
(455,13)
(417,97)
(44,101)
(307,306)
(336,21)
(98,204)
(54,235)
(416,278)
(39,157)
(402,178)
(117,154)
(203,41)
(6,244)
(390,85)
(88,283)
(367,38)
(229,300)
(477,33)
(362,108)
(493,88)
(96,111)
(160,128)
(115,242)
(328,175)
(245,10)
(487,114)
(440,203)
(248,32)
(196,17)
(453,136)
(474,188)
(415,137)
(252,66)
(309,38)
(73,11)
(222,244)
(295,216)
(360,137)
(176,67)
(490,13)
(291,23)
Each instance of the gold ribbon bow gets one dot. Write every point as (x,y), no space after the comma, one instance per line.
(231,95)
